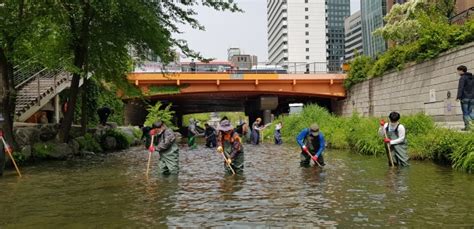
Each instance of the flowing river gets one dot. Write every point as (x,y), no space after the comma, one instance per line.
(111,191)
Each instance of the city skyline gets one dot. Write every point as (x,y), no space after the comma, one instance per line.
(214,42)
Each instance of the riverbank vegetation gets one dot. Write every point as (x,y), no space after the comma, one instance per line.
(96,39)
(418,30)
(359,134)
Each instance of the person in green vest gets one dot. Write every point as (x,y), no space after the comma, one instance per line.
(192,133)
(230,144)
(395,137)
(166,147)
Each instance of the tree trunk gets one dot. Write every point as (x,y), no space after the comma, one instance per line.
(81,48)
(84,109)
(8,97)
(69,116)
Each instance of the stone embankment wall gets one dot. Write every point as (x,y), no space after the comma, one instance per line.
(428,87)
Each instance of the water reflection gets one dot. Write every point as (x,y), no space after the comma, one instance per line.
(274,191)
(231,184)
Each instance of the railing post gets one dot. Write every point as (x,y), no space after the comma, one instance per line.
(54,82)
(39,93)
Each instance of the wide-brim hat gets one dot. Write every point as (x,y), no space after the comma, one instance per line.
(314,129)
(225,125)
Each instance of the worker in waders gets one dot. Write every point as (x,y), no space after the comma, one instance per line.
(277,134)
(192,133)
(395,136)
(311,141)
(210,135)
(3,157)
(230,144)
(146,138)
(256,128)
(166,147)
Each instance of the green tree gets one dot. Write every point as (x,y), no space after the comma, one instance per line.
(101,35)
(16,26)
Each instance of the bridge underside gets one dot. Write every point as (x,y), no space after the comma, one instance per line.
(258,95)
(248,102)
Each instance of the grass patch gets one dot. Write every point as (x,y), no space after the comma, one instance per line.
(359,134)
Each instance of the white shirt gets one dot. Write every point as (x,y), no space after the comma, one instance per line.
(391,127)
(278,126)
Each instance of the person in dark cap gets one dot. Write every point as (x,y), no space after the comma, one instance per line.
(394,137)
(210,135)
(167,148)
(230,144)
(311,141)
(104,113)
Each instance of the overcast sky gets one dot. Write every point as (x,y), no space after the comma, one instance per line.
(247,31)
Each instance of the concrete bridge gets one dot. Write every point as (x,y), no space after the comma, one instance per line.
(256,94)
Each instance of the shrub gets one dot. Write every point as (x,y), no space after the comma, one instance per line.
(42,150)
(156,113)
(137,133)
(425,140)
(89,143)
(121,138)
(363,136)
(463,155)
(360,68)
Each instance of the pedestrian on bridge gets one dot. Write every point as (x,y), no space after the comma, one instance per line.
(230,144)
(312,142)
(210,135)
(394,136)
(466,95)
(166,147)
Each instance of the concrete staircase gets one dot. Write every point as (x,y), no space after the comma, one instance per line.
(37,86)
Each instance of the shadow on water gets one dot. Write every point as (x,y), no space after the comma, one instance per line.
(274,191)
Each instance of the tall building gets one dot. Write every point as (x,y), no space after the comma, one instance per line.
(244,61)
(337,11)
(297,34)
(372,13)
(353,36)
(390,3)
(231,52)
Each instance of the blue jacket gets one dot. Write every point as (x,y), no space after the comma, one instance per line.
(304,134)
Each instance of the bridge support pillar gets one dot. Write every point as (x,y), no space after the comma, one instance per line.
(267,116)
(135,113)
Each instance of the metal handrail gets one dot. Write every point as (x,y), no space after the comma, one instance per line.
(228,67)
(30,78)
